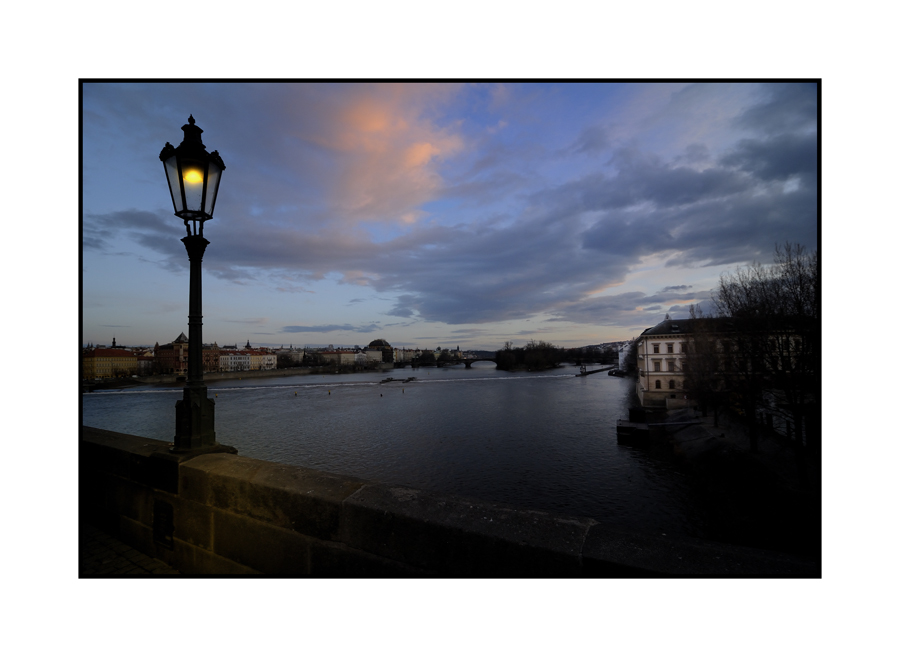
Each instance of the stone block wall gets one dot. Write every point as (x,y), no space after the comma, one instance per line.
(225,514)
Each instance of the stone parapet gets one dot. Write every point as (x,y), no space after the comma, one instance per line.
(226,514)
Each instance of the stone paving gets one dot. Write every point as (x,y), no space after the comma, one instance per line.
(101,555)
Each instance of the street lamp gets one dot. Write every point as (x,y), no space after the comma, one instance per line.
(193,176)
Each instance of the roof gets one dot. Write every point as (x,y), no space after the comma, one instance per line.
(109,353)
(676,326)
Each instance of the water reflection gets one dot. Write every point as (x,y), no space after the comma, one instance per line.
(543,440)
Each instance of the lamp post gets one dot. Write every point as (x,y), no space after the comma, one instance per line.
(193,176)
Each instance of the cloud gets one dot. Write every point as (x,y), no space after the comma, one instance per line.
(93,242)
(477,224)
(592,140)
(356,278)
(776,158)
(646,178)
(406,306)
(727,213)
(785,107)
(253,321)
(570,241)
(629,309)
(328,328)
(102,232)
(387,146)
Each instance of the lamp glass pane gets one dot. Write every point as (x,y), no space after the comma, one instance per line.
(174,187)
(192,172)
(212,186)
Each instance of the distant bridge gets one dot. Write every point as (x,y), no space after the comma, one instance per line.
(467,362)
(459,361)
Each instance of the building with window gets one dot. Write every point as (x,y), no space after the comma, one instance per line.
(769,369)
(290,357)
(380,351)
(234,360)
(405,355)
(100,363)
(172,358)
(339,357)
(661,361)
(261,359)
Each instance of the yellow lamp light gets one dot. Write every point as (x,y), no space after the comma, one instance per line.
(193,176)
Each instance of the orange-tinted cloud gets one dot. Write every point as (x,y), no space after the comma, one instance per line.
(388,150)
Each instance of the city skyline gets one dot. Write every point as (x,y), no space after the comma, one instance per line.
(431,214)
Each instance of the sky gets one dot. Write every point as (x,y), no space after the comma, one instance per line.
(440,214)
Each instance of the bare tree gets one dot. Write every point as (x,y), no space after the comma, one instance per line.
(702,367)
(776,347)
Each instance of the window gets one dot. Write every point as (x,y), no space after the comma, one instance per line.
(671,365)
(671,384)
(656,366)
(658,385)
(670,348)
(656,349)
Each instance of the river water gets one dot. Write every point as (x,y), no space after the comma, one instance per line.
(533,440)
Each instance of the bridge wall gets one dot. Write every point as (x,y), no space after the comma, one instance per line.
(226,514)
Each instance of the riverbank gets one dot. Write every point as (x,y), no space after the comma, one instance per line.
(768,499)
(172,380)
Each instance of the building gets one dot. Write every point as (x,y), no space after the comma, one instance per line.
(101,363)
(211,357)
(290,357)
(145,365)
(261,359)
(661,356)
(339,357)
(405,355)
(768,370)
(172,358)
(233,360)
(379,351)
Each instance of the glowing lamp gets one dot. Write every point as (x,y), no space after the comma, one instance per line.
(193,176)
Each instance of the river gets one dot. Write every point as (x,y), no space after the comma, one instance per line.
(544,440)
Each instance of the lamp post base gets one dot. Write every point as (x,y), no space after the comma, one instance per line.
(195,421)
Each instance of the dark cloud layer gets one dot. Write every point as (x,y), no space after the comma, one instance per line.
(776,158)
(785,107)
